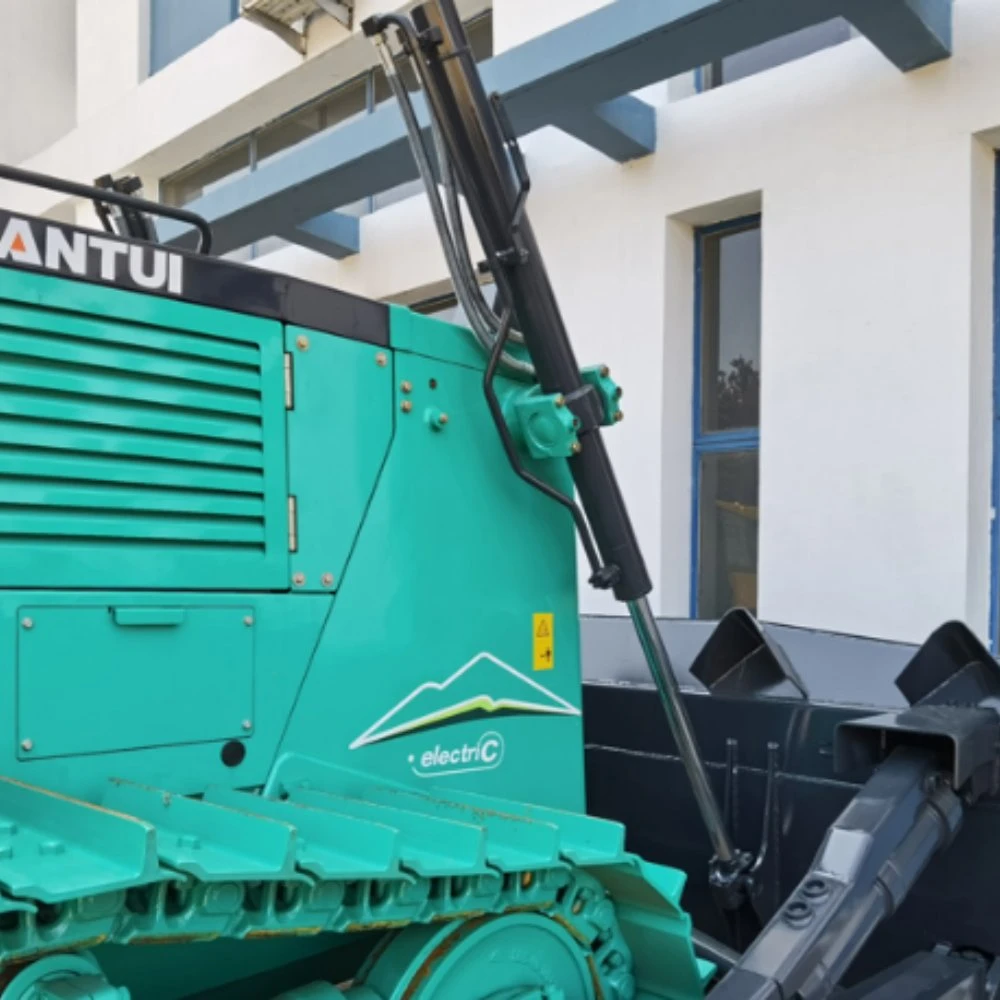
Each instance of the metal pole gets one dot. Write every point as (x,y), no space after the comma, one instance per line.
(680,726)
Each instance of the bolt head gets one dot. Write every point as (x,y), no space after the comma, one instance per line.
(248,621)
(299,579)
(247,724)
(605,371)
(406,385)
(619,416)
(302,343)
(443,419)
(406,406)
(27,746)
(327,579)
(577,448)
(560,401)
(27,623)
(381,359)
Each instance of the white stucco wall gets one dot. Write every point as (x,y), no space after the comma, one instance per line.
(876,190)
(37,75)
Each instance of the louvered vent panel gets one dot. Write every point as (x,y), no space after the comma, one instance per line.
(132,455)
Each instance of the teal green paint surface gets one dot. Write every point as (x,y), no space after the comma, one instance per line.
(338,433)
(142,441)
(433,617)
(543,424)
(164,694)
(608,390)
(405,761)
(114,651)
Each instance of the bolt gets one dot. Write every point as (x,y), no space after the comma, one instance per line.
(560,401)
(299,579)
(248,621)
(27,746)
(406,406)
(619,416)
(443,419)
(27,623)
(381,359)
(576,448)
(327,579)
(247,724)
(406,386)
(605,371)
(302,343)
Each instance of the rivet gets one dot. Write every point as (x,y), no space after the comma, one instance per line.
(560,401)
(576,448)
(27,746)
(302,343)
(247,724)
(406,386)
(248,621)
(619,416)
(605,371)
(27,623)
(327,579)
(406,406)
(299,579)
(381,359)
(443,419)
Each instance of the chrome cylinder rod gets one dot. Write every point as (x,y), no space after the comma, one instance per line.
(680,726)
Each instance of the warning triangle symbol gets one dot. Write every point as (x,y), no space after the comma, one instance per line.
(543,631)
(17,246)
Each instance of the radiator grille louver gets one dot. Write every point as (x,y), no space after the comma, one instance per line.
(118,434)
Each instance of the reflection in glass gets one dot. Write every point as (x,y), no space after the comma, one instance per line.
(727,546)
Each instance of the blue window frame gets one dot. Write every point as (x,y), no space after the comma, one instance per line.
(726,418)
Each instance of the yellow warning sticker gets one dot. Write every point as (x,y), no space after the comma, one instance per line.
(543,632)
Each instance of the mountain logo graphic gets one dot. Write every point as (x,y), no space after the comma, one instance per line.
(483,687)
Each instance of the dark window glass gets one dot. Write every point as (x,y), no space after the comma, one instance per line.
(198,179)
(727,543)
(779,51)
(730,329)
(343,104)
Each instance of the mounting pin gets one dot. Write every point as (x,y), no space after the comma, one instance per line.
(327,579)
(302,343)
(299,579)
(27,746)
(406,385)
(247,724)
(27,623)
(248,621)
(406,406)
(381,359)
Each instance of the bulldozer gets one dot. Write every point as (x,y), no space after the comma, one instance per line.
(293,669)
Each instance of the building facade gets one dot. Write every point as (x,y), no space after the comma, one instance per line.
(788,262)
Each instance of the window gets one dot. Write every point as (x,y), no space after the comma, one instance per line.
(726,418)
(177,26)
(343,104)
(775,53)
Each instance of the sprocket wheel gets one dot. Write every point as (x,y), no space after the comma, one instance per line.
(518,956)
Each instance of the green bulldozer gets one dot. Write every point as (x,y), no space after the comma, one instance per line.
(288,581)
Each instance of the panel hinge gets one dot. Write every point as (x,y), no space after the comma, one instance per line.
(289,383)
(293,525)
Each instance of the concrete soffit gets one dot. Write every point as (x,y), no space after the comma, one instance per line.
(579,77)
